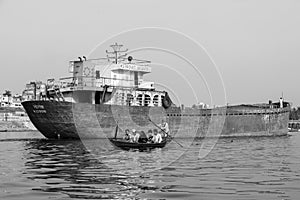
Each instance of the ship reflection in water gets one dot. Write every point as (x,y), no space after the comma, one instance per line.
(238,168)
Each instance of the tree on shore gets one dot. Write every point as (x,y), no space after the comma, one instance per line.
(7,93)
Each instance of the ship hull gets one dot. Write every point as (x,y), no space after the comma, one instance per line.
(67,120)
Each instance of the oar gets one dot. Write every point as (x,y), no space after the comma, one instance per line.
(116,131)
(165,132)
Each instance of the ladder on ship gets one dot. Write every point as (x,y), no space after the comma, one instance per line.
(55,93)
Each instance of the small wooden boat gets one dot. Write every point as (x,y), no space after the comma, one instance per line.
(124,144)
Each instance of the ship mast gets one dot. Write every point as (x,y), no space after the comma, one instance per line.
(117,52)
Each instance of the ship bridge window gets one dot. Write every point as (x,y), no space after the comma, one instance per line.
(155,100)
(129,99)
(140,99)
(147,100)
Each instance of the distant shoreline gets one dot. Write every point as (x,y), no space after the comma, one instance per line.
(18,134)
(16,130)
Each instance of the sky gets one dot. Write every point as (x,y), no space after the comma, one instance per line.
(251,47)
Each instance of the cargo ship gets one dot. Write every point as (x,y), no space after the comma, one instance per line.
(108,92)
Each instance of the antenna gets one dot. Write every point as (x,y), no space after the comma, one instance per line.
(116,51)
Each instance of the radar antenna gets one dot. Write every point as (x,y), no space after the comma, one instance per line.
(117,52)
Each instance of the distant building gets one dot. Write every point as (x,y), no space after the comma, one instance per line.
(17,99)
(11,108)
(29,92)
(202,105)
(33,91)
(6,99)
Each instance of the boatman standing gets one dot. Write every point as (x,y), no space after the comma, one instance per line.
(165,127)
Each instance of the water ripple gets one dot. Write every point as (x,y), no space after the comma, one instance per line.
(238,168)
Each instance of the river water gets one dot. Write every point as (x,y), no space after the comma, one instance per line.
(236,168)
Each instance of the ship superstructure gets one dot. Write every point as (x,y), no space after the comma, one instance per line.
(101,81)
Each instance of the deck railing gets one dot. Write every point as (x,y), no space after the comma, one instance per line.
(90,81)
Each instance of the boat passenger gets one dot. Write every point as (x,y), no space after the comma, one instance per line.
(157,137)
(135,136)
(150,135)
(143,137)
(165,128)
(127,135)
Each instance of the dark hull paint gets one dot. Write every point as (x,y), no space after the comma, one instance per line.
(67,120)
